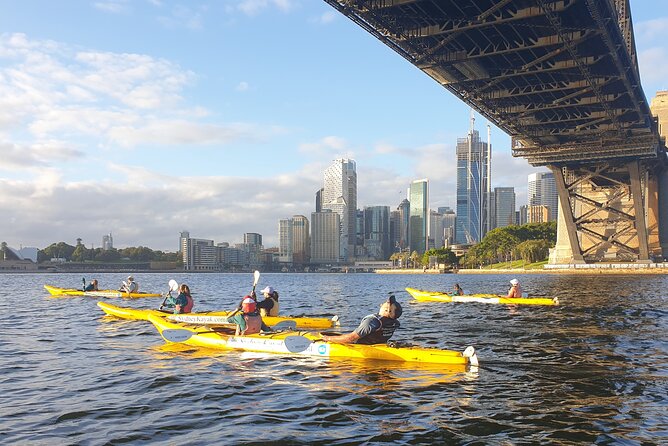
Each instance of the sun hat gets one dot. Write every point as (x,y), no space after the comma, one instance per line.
(514,282)
(268,290)
(131,278)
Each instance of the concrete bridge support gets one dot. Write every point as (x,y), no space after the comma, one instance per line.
(610,212)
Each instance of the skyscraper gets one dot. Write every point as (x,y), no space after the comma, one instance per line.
(419,215)
(325,237)
(504,206)
(542,191)
(377,232)
(294,240)
(107,242)
(340,196)
(404,210)
(473,195)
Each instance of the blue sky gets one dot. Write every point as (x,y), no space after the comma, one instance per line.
(144,118)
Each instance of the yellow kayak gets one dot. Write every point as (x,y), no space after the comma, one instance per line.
(216,317)
(435,296)
(70,292)
(303,344)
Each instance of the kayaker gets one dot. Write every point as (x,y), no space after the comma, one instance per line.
(515,289)
(248,320)
(457,290)
(92,286)
(268,306)
(374,328)
(130,286)
(184,301)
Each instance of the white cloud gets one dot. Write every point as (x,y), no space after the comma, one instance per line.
(242,86)
(254,7)
(112,6)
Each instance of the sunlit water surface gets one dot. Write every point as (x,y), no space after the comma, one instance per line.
(590,371)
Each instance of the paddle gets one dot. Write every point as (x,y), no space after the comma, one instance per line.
(256,278)
(84,284)
(173,286)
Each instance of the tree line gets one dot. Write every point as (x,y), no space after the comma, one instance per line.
(530,242)
(80,253)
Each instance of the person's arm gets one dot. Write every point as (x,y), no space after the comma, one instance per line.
(368,325)
(348,338)
(181,302)
(239,320)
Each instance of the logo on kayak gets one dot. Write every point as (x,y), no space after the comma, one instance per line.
(322,350)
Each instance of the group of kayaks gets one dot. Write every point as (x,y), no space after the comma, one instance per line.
(289,335)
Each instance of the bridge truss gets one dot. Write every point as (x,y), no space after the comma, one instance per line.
(561,78)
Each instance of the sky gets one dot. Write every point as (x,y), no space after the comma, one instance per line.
(144,118)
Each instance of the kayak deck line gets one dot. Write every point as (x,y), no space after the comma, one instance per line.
(214,317)
(437,296)
(305,343)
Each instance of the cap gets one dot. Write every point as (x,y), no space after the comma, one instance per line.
(395,308)
(248,305)
(268,290)
(514,282)
(131,278)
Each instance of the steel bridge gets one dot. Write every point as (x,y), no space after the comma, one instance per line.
(561,78)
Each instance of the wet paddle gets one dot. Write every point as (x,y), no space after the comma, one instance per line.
(173,286)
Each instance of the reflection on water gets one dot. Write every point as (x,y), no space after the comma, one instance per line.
(592,370)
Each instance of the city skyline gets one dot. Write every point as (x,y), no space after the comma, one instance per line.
(209,117)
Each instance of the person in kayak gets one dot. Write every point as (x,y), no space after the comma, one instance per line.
(268,306)
(130,286)
(184,301)
(457,290)
(92,286)
(374,328)
(248,320)
(515,289)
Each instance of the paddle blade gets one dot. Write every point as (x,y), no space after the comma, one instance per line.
(177,334)
(173,285)
(256,277)
(285,325)
(297,344)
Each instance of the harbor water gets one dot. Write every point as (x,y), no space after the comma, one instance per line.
(593,370)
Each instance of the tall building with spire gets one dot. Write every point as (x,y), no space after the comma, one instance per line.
(473,186)
(340,196)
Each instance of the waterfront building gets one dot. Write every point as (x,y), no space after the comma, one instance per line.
(473,186)
(107,242)
(538,213)
(404,210)
(377,239)
(294,241)
(318,199)
(340,197)
(197,254)
(542,191)
(325,237)
(522,216)
(419,217)
(504,206)
(285,240)
(436,230)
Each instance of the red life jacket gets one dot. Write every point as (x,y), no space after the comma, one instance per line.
(188,307)
(253,324)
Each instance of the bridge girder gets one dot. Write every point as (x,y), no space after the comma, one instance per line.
(567,67)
